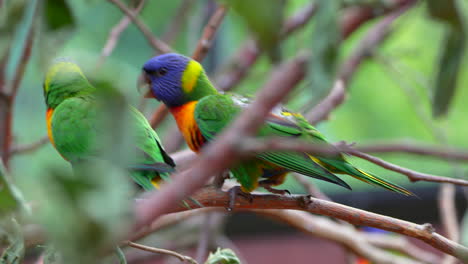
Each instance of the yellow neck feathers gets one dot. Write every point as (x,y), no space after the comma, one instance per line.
(190,75)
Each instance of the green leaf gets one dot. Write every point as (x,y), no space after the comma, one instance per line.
(325,42)
(14,252)
(451,54)
(58,14)
(264,18)
(10,197)
(223,256)
(449,67)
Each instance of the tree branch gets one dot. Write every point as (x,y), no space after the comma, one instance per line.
(255,145)
(152,40)
(115,33)
(161,251)
(364,49)
(27,148)
(202,48)
(249,52)
(210,197)
(204,44)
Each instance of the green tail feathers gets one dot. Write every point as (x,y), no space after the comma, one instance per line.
(343,167)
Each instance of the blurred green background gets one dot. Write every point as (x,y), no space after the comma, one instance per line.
(379,106)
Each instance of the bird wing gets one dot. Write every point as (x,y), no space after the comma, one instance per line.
(213,113)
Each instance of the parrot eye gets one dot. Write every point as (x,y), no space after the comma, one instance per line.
(161,71)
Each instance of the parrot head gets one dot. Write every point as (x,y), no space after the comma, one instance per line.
(64,79)
(176,79)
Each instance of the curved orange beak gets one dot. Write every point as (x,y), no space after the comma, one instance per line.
(144,85)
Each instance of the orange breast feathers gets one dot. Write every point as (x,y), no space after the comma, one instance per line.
(49,115)
(184,116)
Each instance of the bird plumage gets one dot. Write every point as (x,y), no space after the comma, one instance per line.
(74,126)
(199,108)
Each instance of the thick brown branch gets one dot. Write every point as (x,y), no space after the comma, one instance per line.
(204,44)
(210,197)
(152,40)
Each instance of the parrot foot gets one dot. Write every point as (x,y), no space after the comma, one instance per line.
(267,185)
(277,191)
(233,193)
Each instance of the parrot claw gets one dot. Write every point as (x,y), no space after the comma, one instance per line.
(276,191)
(233,193)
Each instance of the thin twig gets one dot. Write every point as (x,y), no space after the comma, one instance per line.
(162,251)
(178,20)
(412,175)
(115,33)
(249,52)
(27,148)
(364,49)
(311,188)
(401,244)
(255,145)
(156,43)
(204,44)
(202,48)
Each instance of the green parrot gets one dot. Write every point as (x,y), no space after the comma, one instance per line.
(75,130)
(201,112)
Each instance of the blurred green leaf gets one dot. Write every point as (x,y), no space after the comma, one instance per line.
(10,197)
(264,18)
(223,256)
(451,54)
(58,14)
(325,42)
(446,11)
(448,70)
(14,253)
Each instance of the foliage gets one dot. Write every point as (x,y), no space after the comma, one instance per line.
(87,212)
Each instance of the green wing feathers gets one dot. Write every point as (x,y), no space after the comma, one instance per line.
(213,113)
(341,166)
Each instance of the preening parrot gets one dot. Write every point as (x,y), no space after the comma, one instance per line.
(74,128)
(201,112)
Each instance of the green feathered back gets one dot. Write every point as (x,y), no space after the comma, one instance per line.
(78,128)
(214,112)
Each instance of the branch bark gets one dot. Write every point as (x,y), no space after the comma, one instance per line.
(210,197)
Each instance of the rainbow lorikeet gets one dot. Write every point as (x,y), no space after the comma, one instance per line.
(201,112)
(74,130)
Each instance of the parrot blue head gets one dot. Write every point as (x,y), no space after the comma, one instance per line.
(164,74)
(175,79)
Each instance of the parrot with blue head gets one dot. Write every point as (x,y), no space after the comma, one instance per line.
(201,112)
